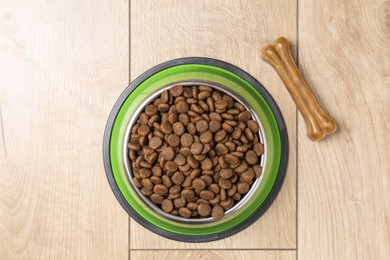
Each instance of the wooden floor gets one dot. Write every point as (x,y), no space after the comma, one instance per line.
(64,63)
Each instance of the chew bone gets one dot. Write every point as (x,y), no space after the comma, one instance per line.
(318,123)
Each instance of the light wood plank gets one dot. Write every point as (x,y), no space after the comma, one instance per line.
(233,31)
(63,64)
(344,181)
(212,255)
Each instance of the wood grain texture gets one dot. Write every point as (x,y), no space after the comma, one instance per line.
(212,255)
(233,31)
(344,181)
(63,64)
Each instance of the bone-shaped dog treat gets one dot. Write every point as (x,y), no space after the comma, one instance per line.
(318,123)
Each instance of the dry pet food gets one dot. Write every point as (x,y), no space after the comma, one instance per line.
(195,152)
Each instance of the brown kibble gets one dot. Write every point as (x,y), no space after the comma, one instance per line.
(249,134)
(206,88)
(239,106)
(164,96)
(207,179)
(226,173)
(258,170)
(155,142)
(206,164)
(196,108)
(143,119)
(214,188)
(216,117)
(232,190)
(184,118)
(234,178)
(187,193)
(229,101)
(206,194)
(206,137)
(182,107)
(174,189)
(184,168)
(206,148)
(195,173)
(179,128)
(145,173)
(177,178)
(168,153)
(192,206)
(173,140)
(253,126)
(244,116)
(167,205)
(193,114)
(143,130)
(215,126)
(151,110)
(221,104)
(237,133)
(163,107)
(179,202)
(228,128)
(223,194)
(204,95)
(222,162)
(187,93)
(220,135)
(227,204)
(203,105)
(176,91)
(204,210)
(173,196)
(147,184)
(196,148)
(191,128)
(192,162)
(157,199)
(210,104)
(242,188)
(175,212)
(247,176)
(172,118)
(137,182)
(160,189)
(186,140)
(166,181)
(166,128)
(185,213)
(258,148)
(180,159)
(199,184)
(202,126)
(241,168)
(237,196)
(170,167)
(221,149)
(218,212)
(185,151)
(216,199)
(225,184)
(187,182)
(251,157)
(231,146)
(156,180)
(231,159)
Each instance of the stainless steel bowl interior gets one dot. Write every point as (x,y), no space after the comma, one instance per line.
(126,160)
